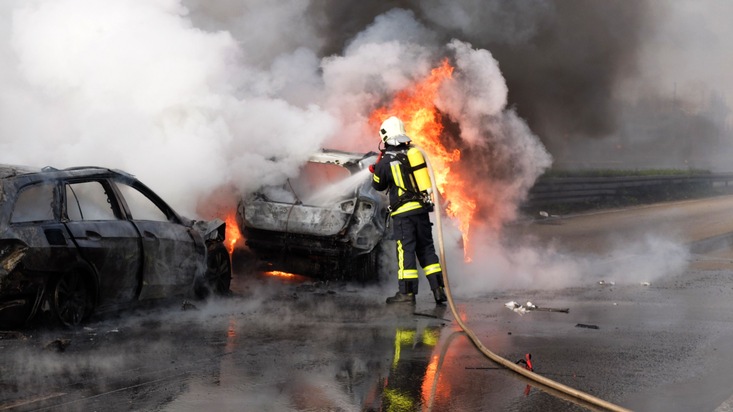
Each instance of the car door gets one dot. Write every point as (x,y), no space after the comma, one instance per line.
(35,220)
(172,255)
(107,241)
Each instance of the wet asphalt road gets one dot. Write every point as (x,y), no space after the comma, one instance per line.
(295,345)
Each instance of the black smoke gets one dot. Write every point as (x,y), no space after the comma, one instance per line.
(562,59)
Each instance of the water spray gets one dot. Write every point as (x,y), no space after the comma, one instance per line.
(521,370)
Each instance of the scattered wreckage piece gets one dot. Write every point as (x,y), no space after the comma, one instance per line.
(12,334)
(78,239)
(328,223)
(533,307)
(186,305)
(529,307)
(58,345)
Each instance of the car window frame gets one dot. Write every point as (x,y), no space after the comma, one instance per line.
(170,213)
(55,202)
(114,197)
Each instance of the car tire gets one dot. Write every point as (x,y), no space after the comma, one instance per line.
(218,275)
(365,267)
(71,299)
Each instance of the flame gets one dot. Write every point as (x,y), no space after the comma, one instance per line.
(281,274)
(415,106)
(287,277)
(232,235)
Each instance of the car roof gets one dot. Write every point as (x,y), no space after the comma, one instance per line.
(8,171)
(338,157)
(13,170)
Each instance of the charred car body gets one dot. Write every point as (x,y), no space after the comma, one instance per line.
(86,238)
(327,224)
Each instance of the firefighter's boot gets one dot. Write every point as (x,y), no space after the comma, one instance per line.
(439,295)
(402,298)
(436,285)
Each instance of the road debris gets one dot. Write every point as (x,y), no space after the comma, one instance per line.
(526,361)
(516,307)
(11,334)
(645,284)
(583,325)
(529,307)
(606,283)
(59,345)
(548,219)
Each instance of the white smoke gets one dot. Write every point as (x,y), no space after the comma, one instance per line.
(134,85)
(529,265)
(386,57)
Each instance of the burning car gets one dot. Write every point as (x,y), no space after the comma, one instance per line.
(327,223)
(77,240)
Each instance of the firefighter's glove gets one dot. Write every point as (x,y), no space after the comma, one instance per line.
(371,167)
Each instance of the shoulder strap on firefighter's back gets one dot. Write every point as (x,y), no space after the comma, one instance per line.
(405,184)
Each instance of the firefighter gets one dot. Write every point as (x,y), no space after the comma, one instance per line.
(408,186)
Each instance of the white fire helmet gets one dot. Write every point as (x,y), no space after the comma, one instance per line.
(393,132)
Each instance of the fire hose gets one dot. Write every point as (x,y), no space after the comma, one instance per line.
(572,392)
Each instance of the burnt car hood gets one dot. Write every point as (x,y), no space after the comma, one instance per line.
(328,219)
(214,229)
(302,219)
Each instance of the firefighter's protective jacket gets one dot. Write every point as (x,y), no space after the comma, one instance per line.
(392,172)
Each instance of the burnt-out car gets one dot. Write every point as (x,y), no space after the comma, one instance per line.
(77,240)
(328,223)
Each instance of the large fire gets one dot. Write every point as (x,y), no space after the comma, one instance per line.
(415,106)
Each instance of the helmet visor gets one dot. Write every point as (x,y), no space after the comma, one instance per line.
(399,139)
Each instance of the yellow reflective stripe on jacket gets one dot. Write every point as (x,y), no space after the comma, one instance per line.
(397,177)
(375,178)
(407,207)
(430,269)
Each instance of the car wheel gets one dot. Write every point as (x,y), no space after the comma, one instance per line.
(365,267)
(71,299)
(219,269)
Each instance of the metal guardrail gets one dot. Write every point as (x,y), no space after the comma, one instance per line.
(556,190)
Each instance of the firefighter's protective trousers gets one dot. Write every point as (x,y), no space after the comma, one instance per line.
(415,244)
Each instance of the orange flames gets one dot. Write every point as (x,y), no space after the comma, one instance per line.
(286,276)
(232,233)
(416,108)
(281,274)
